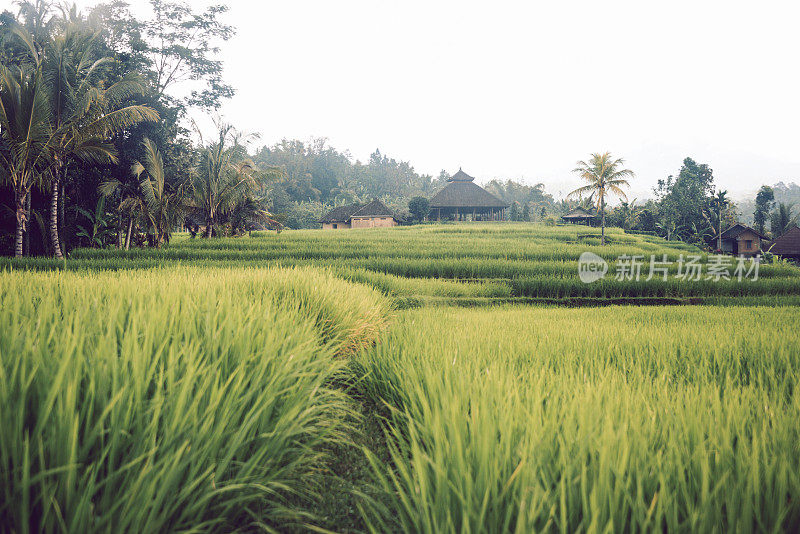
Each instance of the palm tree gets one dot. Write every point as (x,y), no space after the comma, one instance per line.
(629,214)
(85,114)
(224,177)
(25,130)
(163,207)
(604,175)
(131,206)
(719,203)
(148,197)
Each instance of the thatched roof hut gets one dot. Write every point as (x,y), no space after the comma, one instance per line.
(462,199)
(580,215)
(370,215)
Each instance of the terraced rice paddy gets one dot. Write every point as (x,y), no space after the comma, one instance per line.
(487,261)
(358,380)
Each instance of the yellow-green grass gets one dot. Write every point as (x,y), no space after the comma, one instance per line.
(199,387)
(172,399)
(606,419)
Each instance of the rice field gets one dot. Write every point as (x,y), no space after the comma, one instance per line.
(526,419)
(509,261)
(172,400)
(442,378)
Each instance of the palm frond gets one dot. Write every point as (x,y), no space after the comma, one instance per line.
(579,192)
(119,120)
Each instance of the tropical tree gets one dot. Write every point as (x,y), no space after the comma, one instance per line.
(163,208)
(604,175)
(419,207)
(25,130)
(684,200)
(764,200)
(99,230)
(151,199)
(719,204)
(628,214)
(85,114)
(224,177)
(782,219)
(130,208)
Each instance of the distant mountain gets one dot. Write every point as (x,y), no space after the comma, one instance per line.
(786,193)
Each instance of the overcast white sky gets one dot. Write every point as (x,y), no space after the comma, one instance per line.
(524,89)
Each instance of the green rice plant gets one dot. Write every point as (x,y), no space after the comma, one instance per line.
(172,399)
(498,261)
(613,419)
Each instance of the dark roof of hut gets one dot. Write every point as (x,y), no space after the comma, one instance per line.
(462,192)
(376,208)
(579,213)
(788,244)
(340,214)
(734,231)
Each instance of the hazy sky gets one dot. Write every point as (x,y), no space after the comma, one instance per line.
(524,89)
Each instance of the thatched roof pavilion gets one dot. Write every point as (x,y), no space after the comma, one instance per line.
(462,199)
(580,215)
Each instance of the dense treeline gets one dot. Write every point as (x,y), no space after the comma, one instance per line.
(82,95)
(97,149)
(690,207)
(317,177)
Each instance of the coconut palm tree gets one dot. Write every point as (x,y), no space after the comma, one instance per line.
(85,114)
(148,196)
(130,209)
(719,204)
(164,207)
(604,175)
(224,177)
(25,130)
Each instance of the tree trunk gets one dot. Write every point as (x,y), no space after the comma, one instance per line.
(19,206)
(209,227)
(128,235)
(719,230)
(27,247)
(55,242)
(602,221)
(61,202)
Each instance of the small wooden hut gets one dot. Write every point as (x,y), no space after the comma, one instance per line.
(741,240)
(463,200)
